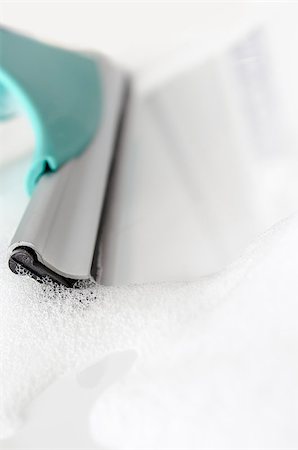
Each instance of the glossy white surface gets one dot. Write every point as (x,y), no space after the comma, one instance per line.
(216,363)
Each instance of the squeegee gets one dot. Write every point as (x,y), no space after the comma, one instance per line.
(75,103)
(174,191)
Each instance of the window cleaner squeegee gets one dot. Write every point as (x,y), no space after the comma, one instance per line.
(75,102)
(195,164)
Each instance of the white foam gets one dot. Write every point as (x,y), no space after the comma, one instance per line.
(217,353)
(228,378)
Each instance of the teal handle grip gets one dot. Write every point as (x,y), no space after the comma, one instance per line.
(60,92)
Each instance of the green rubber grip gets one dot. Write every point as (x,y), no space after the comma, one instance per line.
(58,89)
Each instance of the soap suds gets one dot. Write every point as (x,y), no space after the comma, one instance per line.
(220,352)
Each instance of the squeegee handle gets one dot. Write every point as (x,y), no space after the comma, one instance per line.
(58,89)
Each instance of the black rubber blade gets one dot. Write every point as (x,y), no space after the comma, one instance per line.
(26,258)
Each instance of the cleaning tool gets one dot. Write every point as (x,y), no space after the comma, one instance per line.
(160,172)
